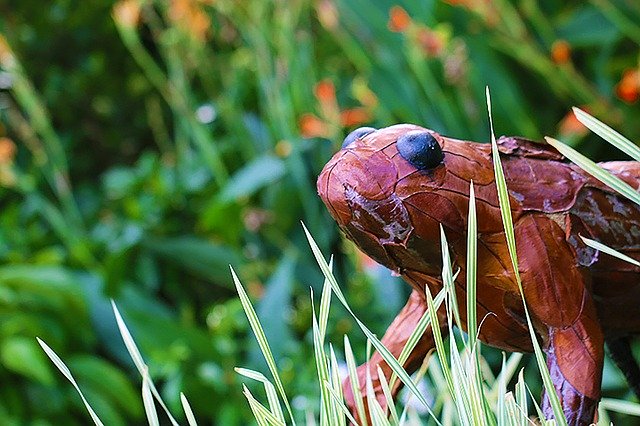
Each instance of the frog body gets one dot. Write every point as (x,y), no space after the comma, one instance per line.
(391,189)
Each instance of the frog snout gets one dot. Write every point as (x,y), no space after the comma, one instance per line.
(358,189)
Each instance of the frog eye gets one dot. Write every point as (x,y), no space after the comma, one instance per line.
(420,149)
(357,134)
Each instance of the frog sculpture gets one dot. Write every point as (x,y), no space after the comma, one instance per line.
(390,189)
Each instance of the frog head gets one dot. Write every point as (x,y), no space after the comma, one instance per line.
(390,189)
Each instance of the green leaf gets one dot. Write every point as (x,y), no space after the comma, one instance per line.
(272,305)
(205,258)
(23,356)
(257,174)
(111,383)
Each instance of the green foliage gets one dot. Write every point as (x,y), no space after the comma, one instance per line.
(146,146)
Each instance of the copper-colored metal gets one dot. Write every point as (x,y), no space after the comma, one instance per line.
(576,295)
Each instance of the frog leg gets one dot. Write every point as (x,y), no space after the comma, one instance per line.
(394,339)
(575,356)
(564,314)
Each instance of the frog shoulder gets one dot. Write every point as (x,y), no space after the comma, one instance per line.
(628,171)
(513,145)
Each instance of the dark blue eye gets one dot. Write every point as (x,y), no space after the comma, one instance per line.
(420,149)
(357,134)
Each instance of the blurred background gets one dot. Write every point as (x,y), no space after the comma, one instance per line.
(145,145)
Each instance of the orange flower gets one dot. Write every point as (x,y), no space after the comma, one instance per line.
(561,52)
(325,91)
(570,126)
(7,150)
(188,15)
(332,118)
(628,89)
(399,19)
(354,116)
(312,127)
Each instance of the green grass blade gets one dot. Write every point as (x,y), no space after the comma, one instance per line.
(506,372)
(472,255)
(619,406)
(505,209)
(340,404)
(521,399)
(67,373)
(606,249)
(134,352)
(535,404)
(440,350)
(354,381)
(325,303)
(258,332)
(501,409)
(322,369)
(382,350)
(378,417)
(418,376)
(188,412)
(416,335)
(260,412)
(270,390)
(596,171)
(336,383)
(147,400)
(447,277)
(386,390)
(608,134)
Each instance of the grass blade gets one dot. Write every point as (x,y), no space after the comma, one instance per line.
(322,369)
(606,249)
(336,383)
(262,341)
(505,209)
(325,303)
(416,335)
(378,417)
(337,399)
(67,373)
(261,414)
(608,134)
(382,350)
(354,381)
(596,171)
(147,400)
(134,352)
(188,412)
(521,399)
(619,406)
(270,390)
(386,390)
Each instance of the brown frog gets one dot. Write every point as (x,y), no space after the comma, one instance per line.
(390,189)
